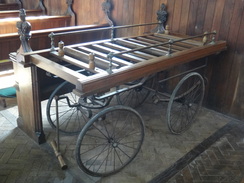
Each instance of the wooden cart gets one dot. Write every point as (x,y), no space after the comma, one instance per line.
(97,71)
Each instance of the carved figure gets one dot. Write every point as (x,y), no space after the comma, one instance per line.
(23,26)
(24,29)
(162,14)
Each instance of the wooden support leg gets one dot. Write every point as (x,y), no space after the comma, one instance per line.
(29,102)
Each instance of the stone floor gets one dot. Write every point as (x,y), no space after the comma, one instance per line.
(212,150)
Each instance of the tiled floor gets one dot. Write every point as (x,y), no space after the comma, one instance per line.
(164,157)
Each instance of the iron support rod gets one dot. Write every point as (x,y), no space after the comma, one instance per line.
(103,28)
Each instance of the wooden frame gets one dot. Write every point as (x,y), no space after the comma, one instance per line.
(102,80)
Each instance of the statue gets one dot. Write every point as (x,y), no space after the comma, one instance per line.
(24,29)
(162,16)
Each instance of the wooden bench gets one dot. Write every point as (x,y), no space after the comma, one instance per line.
(37,22)
(15,13)
(9,6)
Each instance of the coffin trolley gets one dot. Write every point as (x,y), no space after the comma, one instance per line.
(126,69)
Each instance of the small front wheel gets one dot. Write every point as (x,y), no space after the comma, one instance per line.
(72,116)
(110,141)
(185,102)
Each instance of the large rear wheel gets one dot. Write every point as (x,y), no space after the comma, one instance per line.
(185,102)
(110,141)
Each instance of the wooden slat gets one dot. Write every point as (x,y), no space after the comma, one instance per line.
(100,82)
(130,44)
(75,62)
(177,46)
(145,41)
(124,56)
(100,63)
(102,55)
(122,48)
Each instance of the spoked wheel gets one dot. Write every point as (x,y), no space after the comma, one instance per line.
(135,96)
(72,116)
(110,141)
(185,102)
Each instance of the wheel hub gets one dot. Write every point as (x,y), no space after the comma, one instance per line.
(113,142)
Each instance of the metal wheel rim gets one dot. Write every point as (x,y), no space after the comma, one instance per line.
(180,115)
(113,147)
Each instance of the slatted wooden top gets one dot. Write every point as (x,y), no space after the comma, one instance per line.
(129,60)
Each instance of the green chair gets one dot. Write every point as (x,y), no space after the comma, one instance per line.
(7,93)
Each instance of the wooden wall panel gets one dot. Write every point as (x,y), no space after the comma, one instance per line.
(211,5)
